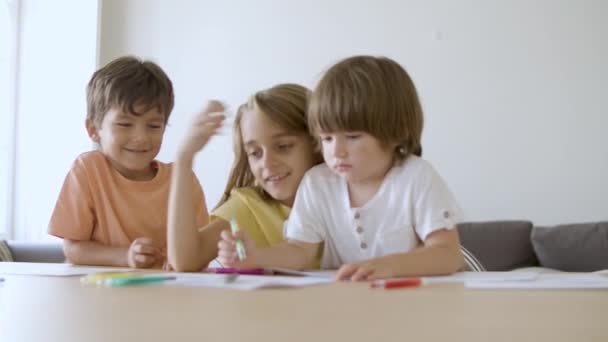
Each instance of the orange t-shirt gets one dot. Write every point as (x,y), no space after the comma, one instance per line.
(97,203)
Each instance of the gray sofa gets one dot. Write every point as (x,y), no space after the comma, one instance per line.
(36,251)
(498,245)
(509,245)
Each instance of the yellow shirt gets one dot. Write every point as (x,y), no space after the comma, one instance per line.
(261,219)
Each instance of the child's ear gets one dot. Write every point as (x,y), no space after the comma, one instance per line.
(92,130)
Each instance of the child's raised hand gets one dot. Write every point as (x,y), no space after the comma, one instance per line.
(144,253)
(227,250)
(203,127)
(366,270)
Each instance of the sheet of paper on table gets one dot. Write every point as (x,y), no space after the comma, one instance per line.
(562,280)
(244,282)
(56,270)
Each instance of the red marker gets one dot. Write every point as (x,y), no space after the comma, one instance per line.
(396,283)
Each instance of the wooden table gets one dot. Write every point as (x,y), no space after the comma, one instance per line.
(61,309)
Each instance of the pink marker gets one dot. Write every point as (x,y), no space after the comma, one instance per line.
(243,271)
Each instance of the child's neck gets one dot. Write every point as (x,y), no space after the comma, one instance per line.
(139,175)
(359,193)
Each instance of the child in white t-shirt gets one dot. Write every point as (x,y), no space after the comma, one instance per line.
(375,207)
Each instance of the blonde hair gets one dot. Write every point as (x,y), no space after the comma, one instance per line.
(285,104)
(126,82)
(373,95)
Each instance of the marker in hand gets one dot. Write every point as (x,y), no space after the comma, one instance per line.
(240,247)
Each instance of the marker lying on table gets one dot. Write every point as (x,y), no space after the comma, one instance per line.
(396,283)
(240,247)
(135,280)
(244,271)
(98,278)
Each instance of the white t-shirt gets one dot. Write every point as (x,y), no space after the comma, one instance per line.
(412,202)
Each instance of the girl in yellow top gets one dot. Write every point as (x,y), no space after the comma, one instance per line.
(273,149)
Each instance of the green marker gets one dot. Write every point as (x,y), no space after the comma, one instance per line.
(136,280)
(240,247)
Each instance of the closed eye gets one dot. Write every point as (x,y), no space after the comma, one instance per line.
(285,147)
(254,154)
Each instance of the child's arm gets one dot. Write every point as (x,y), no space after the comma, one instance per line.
(294,255)
(187,249)
(190,251)
(440,255)
(142,253)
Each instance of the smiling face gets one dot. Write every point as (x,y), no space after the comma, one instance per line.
(277,158)
(130,141)
(358,157)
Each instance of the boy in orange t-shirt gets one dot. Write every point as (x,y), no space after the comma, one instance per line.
(112,208)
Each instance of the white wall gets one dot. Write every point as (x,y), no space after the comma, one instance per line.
(514,92)
(58,54)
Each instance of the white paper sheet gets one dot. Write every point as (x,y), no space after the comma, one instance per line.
(545,281)
(319,274)
(242,282)
(56,270)
(461,277)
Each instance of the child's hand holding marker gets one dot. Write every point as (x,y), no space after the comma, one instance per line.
(235,248)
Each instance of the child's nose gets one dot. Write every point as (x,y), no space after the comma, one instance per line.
(339,149)
(269,159)
(140,134)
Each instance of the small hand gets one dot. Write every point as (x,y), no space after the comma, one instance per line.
(203,127)
(366,270)
(227,253)
(143,253)
(167,266)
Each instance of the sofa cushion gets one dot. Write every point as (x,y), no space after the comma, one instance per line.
(36,251)
(499,245)
(581,247)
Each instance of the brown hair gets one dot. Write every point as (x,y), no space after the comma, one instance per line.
(126,82)
(373,95)
(285,104)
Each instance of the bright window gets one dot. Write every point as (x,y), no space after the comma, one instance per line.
(7,99)
(48,50)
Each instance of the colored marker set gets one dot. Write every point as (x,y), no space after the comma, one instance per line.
(124,279)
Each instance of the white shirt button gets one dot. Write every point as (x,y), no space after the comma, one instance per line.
(363,245)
